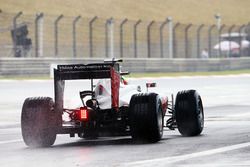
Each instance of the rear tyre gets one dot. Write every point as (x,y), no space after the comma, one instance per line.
(38,122)
(189,113)
(146,117)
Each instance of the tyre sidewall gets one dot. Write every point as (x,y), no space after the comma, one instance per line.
(188,108)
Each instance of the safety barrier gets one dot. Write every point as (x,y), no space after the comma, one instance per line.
(42,66)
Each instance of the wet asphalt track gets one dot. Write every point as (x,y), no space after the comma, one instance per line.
(225,140)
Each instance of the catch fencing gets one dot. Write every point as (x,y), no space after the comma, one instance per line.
(62,36)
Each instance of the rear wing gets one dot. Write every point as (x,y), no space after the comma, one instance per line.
(81,71)
(89,71)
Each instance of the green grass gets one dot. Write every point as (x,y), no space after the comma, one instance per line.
(177,74)
(24,78)
(185,11)
(141,75)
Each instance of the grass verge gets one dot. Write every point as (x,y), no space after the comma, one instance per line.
(141,75)
(177,74)
(24,78)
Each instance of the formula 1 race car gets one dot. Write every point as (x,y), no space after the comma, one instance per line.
(109,108)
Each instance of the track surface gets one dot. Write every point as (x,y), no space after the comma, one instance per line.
(225,140)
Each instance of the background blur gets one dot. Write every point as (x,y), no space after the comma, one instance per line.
(131,30)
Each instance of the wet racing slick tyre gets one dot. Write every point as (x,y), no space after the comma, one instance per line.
(146,117)
(189,113)
(38,122)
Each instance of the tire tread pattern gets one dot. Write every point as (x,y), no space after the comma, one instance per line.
(38,122)
(143,117)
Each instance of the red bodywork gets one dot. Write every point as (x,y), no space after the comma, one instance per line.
(115,85)
(164,101)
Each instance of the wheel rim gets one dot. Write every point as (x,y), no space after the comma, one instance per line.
(160,121)
(200,115)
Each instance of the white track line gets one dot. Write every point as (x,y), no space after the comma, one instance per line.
(168,160)
(11,141)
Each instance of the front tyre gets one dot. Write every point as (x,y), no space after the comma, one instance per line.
(38,122)
(146,117)
(189,113)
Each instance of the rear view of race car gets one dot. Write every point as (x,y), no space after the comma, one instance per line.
(106,110)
